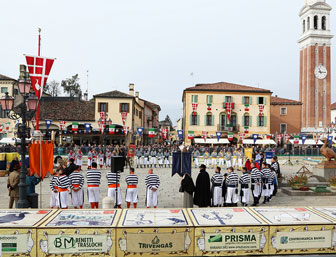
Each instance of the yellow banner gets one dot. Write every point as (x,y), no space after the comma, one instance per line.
(248,153)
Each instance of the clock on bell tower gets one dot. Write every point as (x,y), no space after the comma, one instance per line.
(315,79)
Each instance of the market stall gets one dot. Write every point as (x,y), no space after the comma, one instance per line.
(79,233)
(228,231)
(159,232)
(18,231)
(296,230)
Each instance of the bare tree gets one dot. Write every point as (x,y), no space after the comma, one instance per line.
(52,88)
(72,86)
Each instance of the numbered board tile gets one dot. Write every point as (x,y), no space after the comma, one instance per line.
(158,232)
(18,231)
(79,233)
(228,231)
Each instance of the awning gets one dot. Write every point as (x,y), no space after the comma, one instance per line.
(307,142)
(211,141)
(8,140)
(259,142)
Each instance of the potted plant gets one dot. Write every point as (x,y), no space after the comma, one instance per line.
(298,181)
(333,182)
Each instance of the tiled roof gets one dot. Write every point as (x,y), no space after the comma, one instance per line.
(114,94)
(71,110)
(333,106)
(3,77)
(226,87)
(282,101)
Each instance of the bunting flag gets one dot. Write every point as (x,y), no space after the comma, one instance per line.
(180,134)
(218,135)
(39,69)
(62,125)
(247,108)
(317,138)
(205,135)
(241,136)
(303,138)
(255,138)
(48,123)
(1,128)
(102,127)
(112,129)
(74,126)
(287,137)
(296,139)
(126,129)
(330,138)
(103,116)
(7,125)
(140,130)
(87,127)
(261,109)
(124,117)
(246,130)
(279,139)
(209,107)
(230,136)
(229,107)
(191,134)
(194,108)
(151,132)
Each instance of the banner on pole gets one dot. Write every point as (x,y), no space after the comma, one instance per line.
(180,134)
(48,123)
(218,135)
(140,130)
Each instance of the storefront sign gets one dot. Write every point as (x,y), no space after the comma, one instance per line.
(10,244)
(231,241)
(65,244)
(303,240)
(161,242)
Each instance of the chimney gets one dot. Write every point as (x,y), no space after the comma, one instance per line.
(22,71)
(137,95)
(131,89)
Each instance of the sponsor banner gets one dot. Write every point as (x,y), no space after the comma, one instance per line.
(66,244)
(303,240)
(154,243)
(215,242)
(11,244)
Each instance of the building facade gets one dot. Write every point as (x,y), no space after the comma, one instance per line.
(285,116)
(250,110)
(333,113)
(315,70)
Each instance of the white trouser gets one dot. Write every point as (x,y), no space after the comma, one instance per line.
(160,161)
(108,162)
(240,163)
(196,162)
(217,196)
(54,200)
(101,161)
(271,190)
(206,162)
(256,190)
(63,199)
(166,162)
(214,161)
(93,194)
(138,162)
(265,192)
(246,195)
(153,160)
(221,162)
(146,162)
(234,162)
(79,162)
(132,195)
(111,192)
(228,164)
(152,198)
(89,162)
(231,195)
(77,198)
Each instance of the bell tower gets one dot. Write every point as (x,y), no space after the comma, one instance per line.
(315,69)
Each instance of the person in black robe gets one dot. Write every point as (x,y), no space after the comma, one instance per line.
(224,189)
(202,196)
(188,188)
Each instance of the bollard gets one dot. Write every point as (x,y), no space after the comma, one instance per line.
(108,203)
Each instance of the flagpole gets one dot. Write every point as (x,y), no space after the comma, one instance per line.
(38,104)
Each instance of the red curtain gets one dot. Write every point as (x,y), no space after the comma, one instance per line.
(41,157)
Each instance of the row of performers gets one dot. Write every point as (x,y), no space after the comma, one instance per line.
(61,185)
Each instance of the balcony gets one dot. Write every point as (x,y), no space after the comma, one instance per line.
(225,128)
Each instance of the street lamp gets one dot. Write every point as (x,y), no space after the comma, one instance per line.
(25,111)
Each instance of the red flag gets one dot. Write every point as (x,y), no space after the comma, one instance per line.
(39,69)
(229,107)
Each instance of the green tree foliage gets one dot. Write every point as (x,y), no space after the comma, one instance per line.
(71,86)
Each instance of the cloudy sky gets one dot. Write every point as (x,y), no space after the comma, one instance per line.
(158,44)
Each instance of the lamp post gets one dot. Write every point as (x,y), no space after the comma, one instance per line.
(25,111)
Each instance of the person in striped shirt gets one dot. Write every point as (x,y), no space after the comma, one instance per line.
(113,182)
(152,182)
(76,185)
(271,178)
(266,173)
(217,181)
(244,182)
(93,177)
(63,184)
(132,189)
(54,200)
(232,188)
(256,183)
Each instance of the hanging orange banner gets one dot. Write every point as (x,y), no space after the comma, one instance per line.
(41,156)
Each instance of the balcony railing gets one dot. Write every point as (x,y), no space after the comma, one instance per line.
(223,128)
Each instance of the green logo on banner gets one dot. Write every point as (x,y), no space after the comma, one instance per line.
(284,240)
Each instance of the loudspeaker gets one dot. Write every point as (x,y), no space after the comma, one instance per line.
(117,164)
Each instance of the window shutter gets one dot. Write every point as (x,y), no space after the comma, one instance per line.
(211,98)
(99,110)
(243,98)
(205,120)
(198,120)
(243,121)
(190,119)
(120,107)
(106,107)
(265,121)
(264,100)
(250,99)
(250,121)
(208,99)
(213,120)
(258,121)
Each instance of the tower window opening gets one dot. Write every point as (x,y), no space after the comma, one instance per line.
(304,26)
(324,23)
(308,23)
(315,22)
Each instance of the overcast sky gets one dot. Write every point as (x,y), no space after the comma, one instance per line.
(157,44)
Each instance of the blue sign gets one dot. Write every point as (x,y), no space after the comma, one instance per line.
(139,130)
(180,134)
(218,135)
(48,123)
(303,138)
(330,138)
(255,137)
(87,127)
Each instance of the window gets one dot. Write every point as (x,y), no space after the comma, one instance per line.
(124,107)
(102,107)
(283,110)
(209,119)
(140,114)
(261,100)
(3,113)
(246,120)
(228,99)
(194,119)
(304,26)
(16,91)
(194,98)
(324,23)
(283,128)
(246,100)
(261,121)
(209,99)
(136,112)
(308,23)
(4,90)
(315,22)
